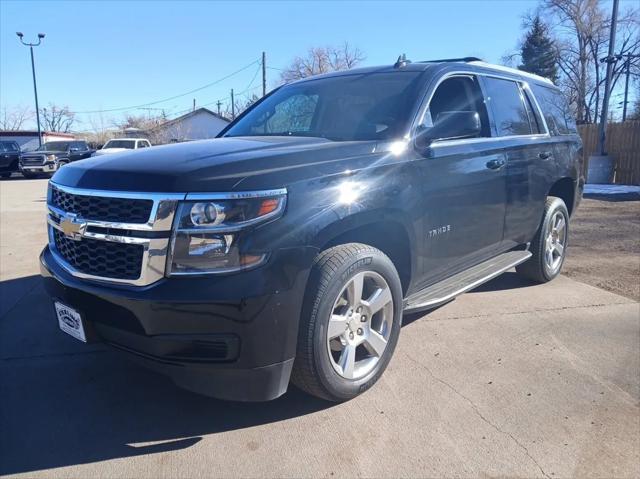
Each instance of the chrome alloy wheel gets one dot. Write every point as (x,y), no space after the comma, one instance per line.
(360,325)
(555,242)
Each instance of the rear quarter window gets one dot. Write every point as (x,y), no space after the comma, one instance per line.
(555,109)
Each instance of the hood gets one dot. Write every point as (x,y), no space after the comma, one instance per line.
(45,152)
(221,164)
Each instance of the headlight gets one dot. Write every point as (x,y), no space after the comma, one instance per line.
(206,232)
(51,157)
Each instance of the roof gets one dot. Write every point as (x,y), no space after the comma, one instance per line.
(125,138)
(422,66)
(190,114)
(35,133)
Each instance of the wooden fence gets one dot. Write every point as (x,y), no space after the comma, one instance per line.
(623,145)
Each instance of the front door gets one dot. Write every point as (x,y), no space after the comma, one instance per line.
(464,185)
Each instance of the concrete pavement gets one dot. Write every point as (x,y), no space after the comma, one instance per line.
(508,380)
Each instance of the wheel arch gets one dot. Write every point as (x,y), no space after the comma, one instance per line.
(386,233)
(565,189)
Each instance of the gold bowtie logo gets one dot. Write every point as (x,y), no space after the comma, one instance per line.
(72,227)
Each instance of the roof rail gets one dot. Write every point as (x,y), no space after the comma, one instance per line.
(513,71)
(462,59)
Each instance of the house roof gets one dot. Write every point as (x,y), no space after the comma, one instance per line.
(35,133)
(187,115)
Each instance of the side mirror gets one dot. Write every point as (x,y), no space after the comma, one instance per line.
(451,125)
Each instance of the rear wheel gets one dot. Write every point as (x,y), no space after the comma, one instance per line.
(350,322)
(549,245)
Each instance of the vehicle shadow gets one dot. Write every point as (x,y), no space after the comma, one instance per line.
(508,280)
(63,403)
(19,177)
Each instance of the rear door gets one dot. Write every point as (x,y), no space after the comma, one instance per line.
(464,185)
(529,151)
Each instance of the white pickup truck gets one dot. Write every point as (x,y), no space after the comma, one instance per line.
(116,145)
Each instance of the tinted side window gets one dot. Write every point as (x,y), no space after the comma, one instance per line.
(555,109)
(457,94)
(9,147)
(534,118)
(508,107)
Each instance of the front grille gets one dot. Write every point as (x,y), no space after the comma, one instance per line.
(33,160)
(120,210)
(101,258)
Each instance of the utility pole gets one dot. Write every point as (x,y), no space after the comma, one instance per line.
(610,60)
(233,106)
(194,104)
(626,83)
(626,88)
(33,71)
(219,104)
(264,73)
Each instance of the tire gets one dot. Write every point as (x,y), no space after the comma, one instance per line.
(322,366)
(550,239)
(5,175)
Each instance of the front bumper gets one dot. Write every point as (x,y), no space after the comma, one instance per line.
(231,337)
(48,167)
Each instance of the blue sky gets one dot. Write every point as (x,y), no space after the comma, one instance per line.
(103,55)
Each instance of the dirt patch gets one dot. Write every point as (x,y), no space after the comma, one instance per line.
(604,246)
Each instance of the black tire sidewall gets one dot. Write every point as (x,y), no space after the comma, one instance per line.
(338,386)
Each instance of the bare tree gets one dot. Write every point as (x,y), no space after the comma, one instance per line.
(142,122)
(241,104)
(101,129)
(581,29)
(322,60)
(13,119)
(55,118)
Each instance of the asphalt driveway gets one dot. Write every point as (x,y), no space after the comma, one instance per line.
(511,379)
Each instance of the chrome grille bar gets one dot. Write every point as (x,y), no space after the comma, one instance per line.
(155,249)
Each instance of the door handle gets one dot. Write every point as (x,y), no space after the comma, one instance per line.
(545,155)
(495,164)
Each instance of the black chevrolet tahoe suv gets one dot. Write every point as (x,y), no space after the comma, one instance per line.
(52,155)
(288,248)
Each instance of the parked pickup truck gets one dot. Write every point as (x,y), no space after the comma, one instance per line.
(9,158)
(52,155)
(288,248)
(117,145)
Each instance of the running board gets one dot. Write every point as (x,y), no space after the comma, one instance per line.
(446,290)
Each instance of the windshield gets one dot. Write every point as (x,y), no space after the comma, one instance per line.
(8,146)
(55,146)
(369,106)
(130,144)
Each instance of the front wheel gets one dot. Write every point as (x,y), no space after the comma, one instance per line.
(549,246)
(350,322)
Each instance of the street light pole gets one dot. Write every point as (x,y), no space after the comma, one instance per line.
(33,71)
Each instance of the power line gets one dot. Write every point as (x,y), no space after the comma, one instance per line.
(246,90)
(173,97)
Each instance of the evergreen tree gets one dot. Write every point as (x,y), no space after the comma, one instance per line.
(538,52)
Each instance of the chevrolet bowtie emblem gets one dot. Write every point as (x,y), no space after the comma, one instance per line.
(72,227)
